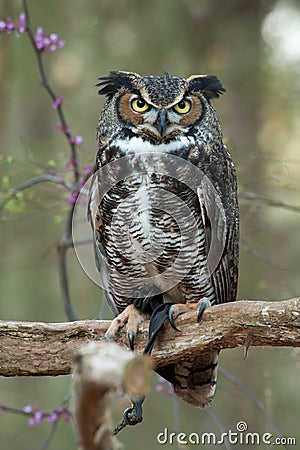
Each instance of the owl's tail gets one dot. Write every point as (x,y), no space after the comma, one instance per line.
(194,380)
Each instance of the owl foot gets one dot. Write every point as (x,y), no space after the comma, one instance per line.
(132,317)
(180,308)
(131,416)
(134,414)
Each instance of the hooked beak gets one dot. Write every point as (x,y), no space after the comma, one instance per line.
(161,121)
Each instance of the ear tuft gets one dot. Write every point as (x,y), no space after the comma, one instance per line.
(114,81)
(208,85)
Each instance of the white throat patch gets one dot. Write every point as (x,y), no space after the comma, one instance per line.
(136,145)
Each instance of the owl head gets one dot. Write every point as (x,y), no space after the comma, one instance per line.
(158,108)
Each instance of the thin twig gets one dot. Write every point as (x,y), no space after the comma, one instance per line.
(253,398)
(215,419)
(49,438)
(261,256)
(64,280)
(49,89)
(67,236)
(267,201)
(36,180)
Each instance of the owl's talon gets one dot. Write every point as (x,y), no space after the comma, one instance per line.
(130,318)
(108,337)
(204,303)
(131,336)
(173,314)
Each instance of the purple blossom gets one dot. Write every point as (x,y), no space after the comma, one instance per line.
(77,140)
(36,419)
(22,23)
(44,42)
(53,37)
(58,101)
(52,418)
(58,414)
(159,388)
(9,26)
(163,385)
(60,43)
(89,169)
(60,129)
(2,25)
(59,411)
(28,409)
(39,33)
(68,415)
(70,163)
(36,415)
(31,422)
(73,198)
(170,390)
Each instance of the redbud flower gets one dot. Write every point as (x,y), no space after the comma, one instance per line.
(161,387)
(60,129)
(22,23)
(58,101)
(28,409)
(73,197)
(52,418)
(2,25)
(78,140)
(9,26)
(68,415)
(36,419)
(89,169)
(70,163)
(44,42)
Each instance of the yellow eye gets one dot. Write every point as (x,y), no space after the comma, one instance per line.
(183,107)
(139,105)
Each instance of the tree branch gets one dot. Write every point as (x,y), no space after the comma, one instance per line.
(101,368)
(250,196)
(47,349)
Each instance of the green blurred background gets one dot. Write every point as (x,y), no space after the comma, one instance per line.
(254,48)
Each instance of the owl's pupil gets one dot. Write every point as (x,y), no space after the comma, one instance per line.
(140,103)
(181,104)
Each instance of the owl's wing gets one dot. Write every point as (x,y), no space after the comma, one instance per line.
(221,242)
(99,250)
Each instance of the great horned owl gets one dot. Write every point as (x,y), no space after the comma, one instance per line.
(163,208)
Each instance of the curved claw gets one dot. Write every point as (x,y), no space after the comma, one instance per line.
(108,337)
(131,337)
(204,304)
(171,320)
(134,415)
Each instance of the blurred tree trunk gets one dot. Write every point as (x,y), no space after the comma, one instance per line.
(223,40)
